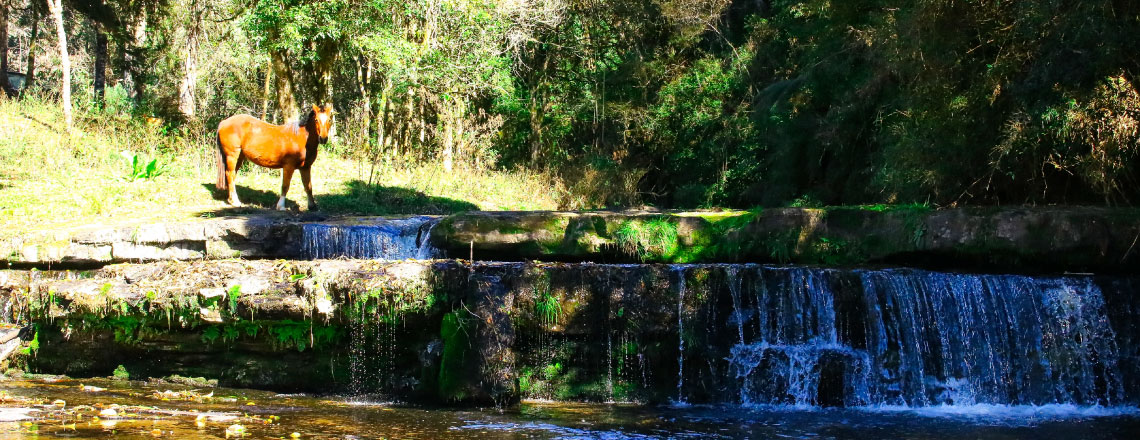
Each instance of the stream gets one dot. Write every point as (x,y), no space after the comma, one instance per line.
(158,410)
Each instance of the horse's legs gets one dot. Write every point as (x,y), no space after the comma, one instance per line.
(308,187)
(286,176)
(231,178)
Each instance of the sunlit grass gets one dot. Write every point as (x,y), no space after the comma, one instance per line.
(49,179)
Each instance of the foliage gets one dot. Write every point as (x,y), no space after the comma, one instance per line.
(548,307)
(232,294)
(679,103)
(142,168)
(648,240)
(52,180)
(34,345)
(455,332)
(828,103)
(121,373)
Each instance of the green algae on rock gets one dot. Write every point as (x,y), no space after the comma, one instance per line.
(1014,239)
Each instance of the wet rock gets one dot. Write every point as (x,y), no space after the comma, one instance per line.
(126,251)
(210,315)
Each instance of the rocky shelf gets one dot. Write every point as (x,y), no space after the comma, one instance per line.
(492,333)
(989,239)
(993,239)
(271,236)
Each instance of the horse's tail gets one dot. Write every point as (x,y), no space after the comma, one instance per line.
(221,154)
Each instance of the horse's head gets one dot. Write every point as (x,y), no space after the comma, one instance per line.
(323,117)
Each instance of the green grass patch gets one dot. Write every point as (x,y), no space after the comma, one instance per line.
(115,168)
(649,240)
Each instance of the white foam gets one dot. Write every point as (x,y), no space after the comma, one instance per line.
(1026,413)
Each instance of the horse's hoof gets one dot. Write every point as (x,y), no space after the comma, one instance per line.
(314,207)
(236,204)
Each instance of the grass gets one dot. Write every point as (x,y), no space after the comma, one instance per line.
(649,240)
(52,179)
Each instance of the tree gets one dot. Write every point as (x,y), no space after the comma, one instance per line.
(36,14)
(272,25)
(186,87)
(100,76)
(5,86)
(56,7)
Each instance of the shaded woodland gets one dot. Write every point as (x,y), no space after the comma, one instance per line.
(671,103)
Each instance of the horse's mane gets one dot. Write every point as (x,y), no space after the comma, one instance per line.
(296,125)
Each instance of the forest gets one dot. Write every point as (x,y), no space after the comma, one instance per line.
(666,103)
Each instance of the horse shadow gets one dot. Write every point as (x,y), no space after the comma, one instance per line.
(360,197)
(357,198)
(255,200)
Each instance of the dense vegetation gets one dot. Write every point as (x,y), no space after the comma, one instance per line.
(677,103)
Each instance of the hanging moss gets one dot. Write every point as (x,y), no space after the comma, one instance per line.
(454,361)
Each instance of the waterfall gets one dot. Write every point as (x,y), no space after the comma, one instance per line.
(680,270)
(801,374)
(732,273)
(990,339)
(387,239)
(920,338)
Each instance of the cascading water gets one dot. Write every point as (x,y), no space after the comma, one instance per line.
(990,339)
(372,334)
(387,239)
(734,281)
(680,333)
(918,338)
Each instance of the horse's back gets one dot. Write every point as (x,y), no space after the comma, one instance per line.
(258,141)
(239,122)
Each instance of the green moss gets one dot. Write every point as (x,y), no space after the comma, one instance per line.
(200,382)
(508,229)
(917,208)
(528,384)
(33,345)
(121,373)
(453,361)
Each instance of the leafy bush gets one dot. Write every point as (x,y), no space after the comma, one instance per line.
(140,168)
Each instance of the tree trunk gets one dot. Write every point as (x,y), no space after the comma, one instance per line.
(364,80)
(535,127)
(537,111)
(100,76)
(56,7)
(186,103)
(447,118)
(286,102)
(324,66)
(382,139)
(5,86)
(421,119)
(30,76)
(406,123)
(460,139)
(132,60)
(266,90)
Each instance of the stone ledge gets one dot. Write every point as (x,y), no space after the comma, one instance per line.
(253,237)
(989,239)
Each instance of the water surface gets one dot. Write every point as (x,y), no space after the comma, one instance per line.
(163,410)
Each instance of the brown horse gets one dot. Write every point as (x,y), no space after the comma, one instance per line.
(290,147)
